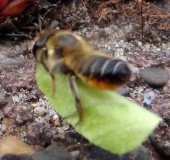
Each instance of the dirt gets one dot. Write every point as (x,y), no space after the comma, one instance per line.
(112,27)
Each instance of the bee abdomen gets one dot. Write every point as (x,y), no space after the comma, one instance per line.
(113,71)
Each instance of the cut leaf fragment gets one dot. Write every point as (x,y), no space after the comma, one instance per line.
(109,120)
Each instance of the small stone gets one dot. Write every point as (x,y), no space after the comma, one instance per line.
(117,46)
(139,43)
(156,77)
(39,111)
(147,46)
(51,112)
(123,90)
(3,127)
(35,105)
(75,153)
(1,114)
(149,97)
(56,120)
(167,52)
(158,49)
(65,125)
(134,69)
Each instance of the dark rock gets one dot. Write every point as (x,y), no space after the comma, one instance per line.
(162,147)
(101,154)
(15,157)
(52,152)
(156,77)
(140,153)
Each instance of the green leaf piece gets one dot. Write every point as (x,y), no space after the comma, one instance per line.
(109,120)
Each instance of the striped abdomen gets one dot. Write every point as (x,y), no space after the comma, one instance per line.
(103,72)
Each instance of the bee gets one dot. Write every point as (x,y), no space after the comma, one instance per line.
(70,54)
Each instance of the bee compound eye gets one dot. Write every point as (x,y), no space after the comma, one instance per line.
(39,45)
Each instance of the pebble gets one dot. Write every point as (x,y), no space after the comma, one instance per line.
(2,127)
(134,69)
(52,152)
(155,77)
(167,52)
(1,114)
(148,98)
(35,105)
(139,43)
(123,90)
(158,49)
(117,46)
(147,46)
(56,119)
(39,111)
(75,153)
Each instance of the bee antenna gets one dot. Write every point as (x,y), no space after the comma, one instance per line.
(40,23)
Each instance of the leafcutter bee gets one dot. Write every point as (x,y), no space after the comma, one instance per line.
(70,54)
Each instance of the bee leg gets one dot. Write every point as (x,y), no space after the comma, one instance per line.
(76,95)
(52,79)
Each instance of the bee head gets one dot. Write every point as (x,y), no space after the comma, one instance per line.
(39,48)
